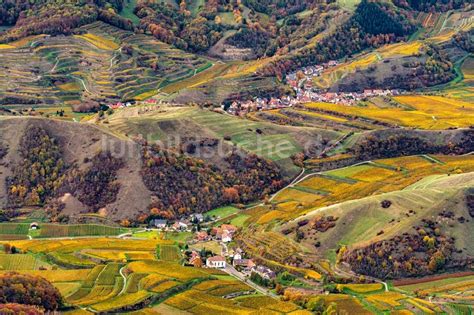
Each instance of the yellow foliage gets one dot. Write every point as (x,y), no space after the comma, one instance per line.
(99,41)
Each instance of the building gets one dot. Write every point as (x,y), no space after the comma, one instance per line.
(196,261)
(217,262)
(229,228)
(226,236)
(34,226)
(246,264)
(198,217)
(180,226)
(264,272)
(158,223)
(202,236)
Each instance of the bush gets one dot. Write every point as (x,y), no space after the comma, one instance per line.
(386,204)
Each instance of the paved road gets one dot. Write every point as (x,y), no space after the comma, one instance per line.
(233,272)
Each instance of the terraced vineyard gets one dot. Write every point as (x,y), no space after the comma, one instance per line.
(46,70)
(128,284)
(418,111)
(354,182)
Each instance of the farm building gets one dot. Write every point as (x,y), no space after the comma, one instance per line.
(217,262)
(34,226)
(160,224)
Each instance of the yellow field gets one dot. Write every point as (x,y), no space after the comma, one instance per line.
(59,275)
(47,246)
(401,49)
(5,46)
(360,288)
(72,86)
(358,182)
(146,95)
(427,112)
(170,270)
(386,300)
(99,42)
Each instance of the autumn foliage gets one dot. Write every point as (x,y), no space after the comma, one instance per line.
(29,290)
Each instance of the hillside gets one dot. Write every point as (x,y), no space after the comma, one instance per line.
(281,157)
(99,172)
(364,221)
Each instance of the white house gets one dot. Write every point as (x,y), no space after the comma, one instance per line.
(217,262)
(226,237)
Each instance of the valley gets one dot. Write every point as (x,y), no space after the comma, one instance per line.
(236,157)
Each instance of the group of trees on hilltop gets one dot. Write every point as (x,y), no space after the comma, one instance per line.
(28,290)
(42,174)
(183,184)
(97,185)
(431,5)
(251,37)
(423,252)
(372,25)
(373,147)
(278,8)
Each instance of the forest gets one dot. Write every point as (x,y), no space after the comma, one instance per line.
(184,184)
(56,17)
(40,171)
(373,147)
(431,5)
(96,186)
(423,252)
(28,290)
(372,25)
(463,39)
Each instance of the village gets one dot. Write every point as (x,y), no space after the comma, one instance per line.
(231,259)
(301,81)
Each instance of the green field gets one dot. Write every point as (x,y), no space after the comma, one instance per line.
(169,253)
(222,212)
(55,230)
(21,262)
(127,11)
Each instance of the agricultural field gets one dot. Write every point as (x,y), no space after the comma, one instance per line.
(55,230)
(123,273)
(12,231)
(277,143)
(90,66)
(354,182)
(423,112)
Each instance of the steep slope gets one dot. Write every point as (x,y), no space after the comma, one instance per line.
(361,226)
(74,168)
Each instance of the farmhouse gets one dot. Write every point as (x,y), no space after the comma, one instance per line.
(217,262)
(226,236)
(246,264)
(229,228)
(202,236)
(34,226)
(264,272)
(180,226)
(160,224)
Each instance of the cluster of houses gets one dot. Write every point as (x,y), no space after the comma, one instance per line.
(224,234)
(302,83)
(150,101)
(237,260)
